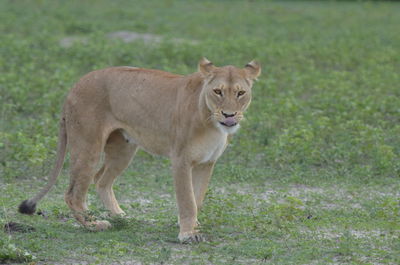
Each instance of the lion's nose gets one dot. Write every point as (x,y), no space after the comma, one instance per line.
(227,115)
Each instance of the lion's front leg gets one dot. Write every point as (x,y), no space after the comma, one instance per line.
(201,175)
(182,172)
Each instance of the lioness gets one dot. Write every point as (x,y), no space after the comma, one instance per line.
(120,109)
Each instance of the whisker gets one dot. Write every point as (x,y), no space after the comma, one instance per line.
(210,117)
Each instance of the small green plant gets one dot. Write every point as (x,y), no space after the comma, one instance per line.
(9,252)
(389,209)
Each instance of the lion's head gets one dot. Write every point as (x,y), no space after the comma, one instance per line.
(227,92)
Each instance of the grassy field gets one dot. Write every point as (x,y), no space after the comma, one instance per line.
(312,177)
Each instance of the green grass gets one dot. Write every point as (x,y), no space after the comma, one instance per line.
(312,177)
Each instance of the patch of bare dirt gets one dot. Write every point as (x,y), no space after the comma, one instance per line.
(125,36)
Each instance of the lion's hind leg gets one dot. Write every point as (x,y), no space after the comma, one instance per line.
(85,156)
(118,154)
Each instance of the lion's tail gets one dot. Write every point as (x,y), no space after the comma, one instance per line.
(29,206)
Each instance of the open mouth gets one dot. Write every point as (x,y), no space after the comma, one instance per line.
(228,125)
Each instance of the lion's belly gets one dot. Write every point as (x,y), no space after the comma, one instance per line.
(150,142)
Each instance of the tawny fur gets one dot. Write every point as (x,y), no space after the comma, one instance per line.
(119,109)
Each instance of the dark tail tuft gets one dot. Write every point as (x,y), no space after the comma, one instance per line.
(27,207)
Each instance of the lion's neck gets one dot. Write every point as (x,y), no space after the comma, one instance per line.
(200,113)
(203,110)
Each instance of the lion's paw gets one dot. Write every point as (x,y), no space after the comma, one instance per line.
(98,225)
(191,238)
(117,214)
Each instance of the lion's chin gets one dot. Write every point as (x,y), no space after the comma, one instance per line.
(226,129)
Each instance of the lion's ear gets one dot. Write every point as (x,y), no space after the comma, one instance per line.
(253,69)
(205,66)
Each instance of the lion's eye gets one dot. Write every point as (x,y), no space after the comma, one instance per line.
(218,91)
(241,93)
